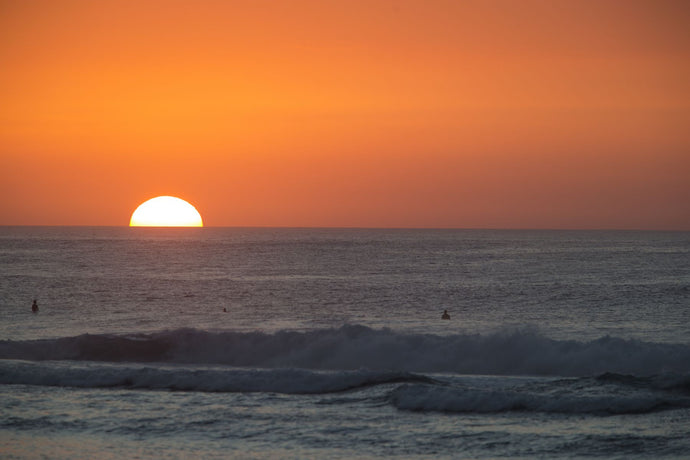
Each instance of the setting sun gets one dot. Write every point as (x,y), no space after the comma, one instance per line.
(377,113)
(166,211)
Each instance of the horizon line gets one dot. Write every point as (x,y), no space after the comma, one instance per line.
(307,227)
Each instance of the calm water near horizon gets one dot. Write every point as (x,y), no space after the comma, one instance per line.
(561,344)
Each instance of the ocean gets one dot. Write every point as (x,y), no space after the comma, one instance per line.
(329,343)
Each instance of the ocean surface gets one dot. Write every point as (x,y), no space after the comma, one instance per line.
(329,343)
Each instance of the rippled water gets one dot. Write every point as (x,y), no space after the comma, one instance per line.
(561,343)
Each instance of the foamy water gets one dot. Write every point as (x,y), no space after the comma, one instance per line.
(331,344)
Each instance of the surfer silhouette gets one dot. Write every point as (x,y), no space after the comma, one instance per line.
(34,307)
(445,315)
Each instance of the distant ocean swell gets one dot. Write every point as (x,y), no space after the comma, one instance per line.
(518,352)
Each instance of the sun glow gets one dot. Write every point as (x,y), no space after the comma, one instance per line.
(166,211)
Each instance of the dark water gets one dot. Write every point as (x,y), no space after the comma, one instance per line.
(561,344)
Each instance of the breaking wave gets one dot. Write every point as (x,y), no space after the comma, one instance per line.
(575,397)
(358,347)
(607,394)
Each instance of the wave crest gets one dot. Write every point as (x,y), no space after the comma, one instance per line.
(355,347)
(287,381)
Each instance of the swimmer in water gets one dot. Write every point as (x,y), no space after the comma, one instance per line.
(445,315)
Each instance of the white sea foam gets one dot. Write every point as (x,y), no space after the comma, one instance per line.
(433,398)
(354,347)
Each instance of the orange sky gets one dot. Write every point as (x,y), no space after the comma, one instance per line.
(482,114)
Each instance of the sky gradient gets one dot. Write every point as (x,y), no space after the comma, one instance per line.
(465,114)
